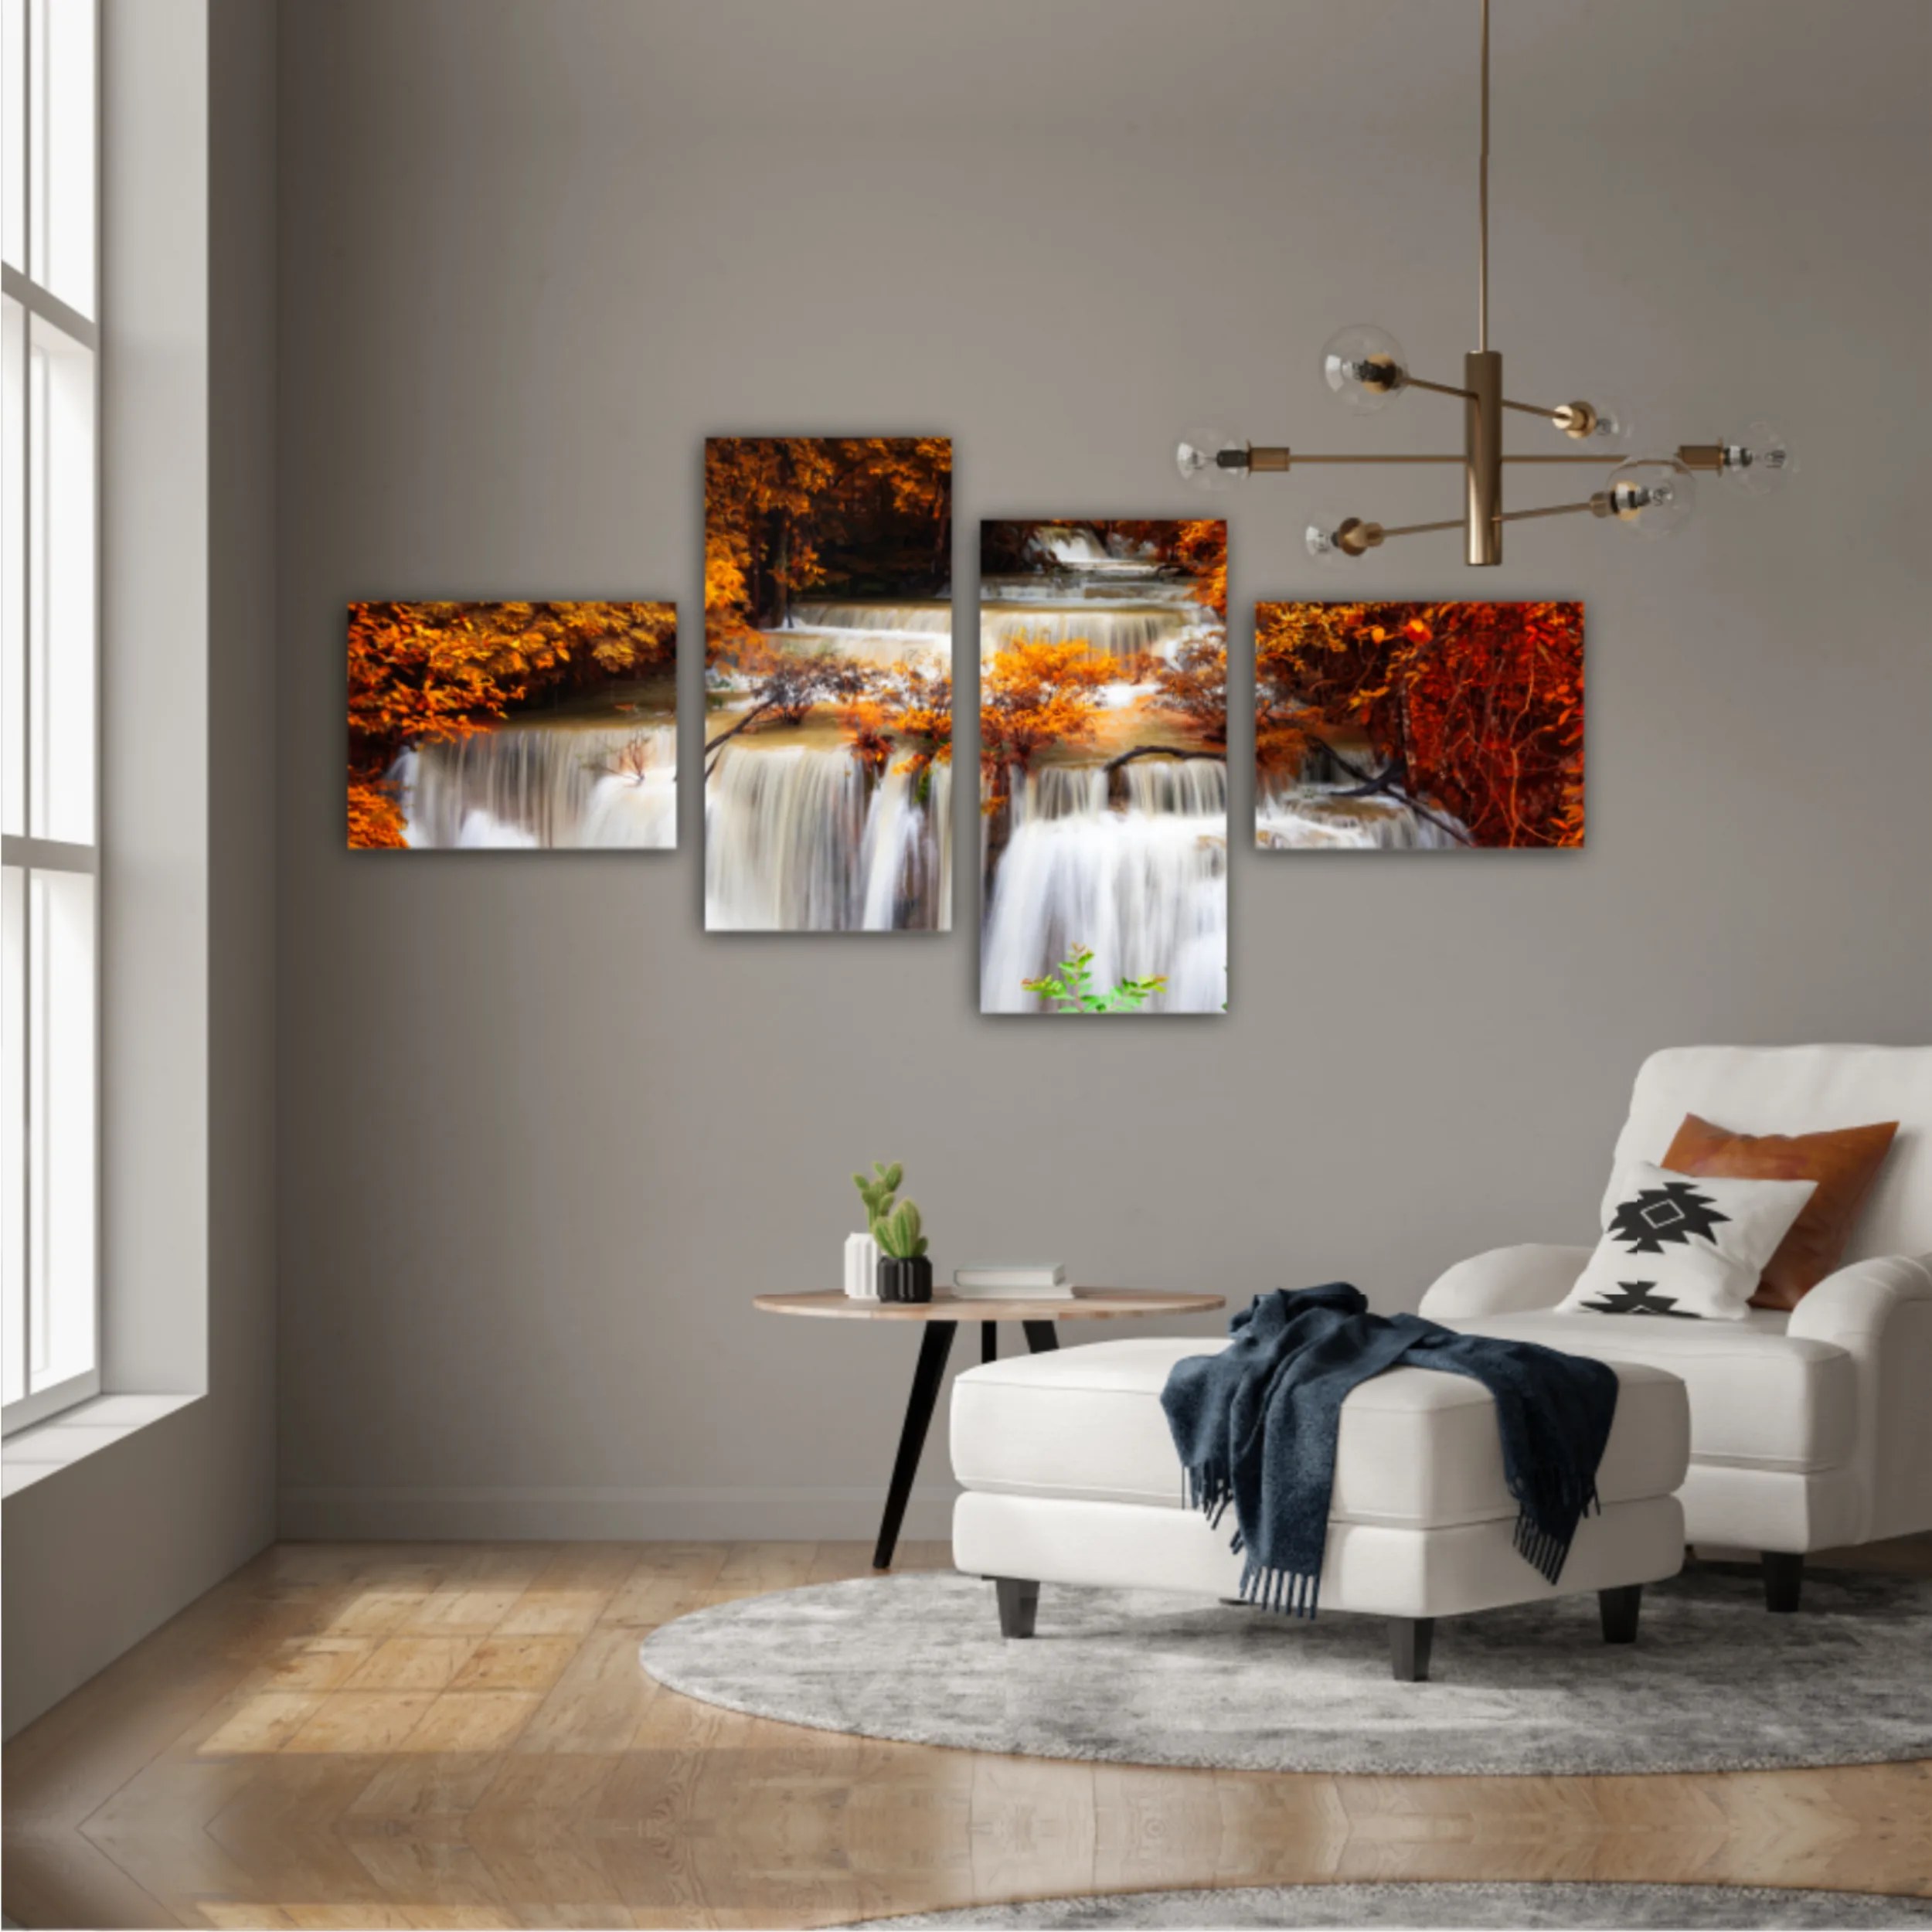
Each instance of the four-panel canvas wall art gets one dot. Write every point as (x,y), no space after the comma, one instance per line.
(1394,726)
(1103,751)
(828,685)
(512,724)
(1102,728)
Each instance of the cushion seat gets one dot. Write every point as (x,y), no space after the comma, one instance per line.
(1760,1398)
(1418,1448)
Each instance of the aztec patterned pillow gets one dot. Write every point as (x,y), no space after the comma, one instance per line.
(1692,1247)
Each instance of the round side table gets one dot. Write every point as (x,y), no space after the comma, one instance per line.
(940,1319)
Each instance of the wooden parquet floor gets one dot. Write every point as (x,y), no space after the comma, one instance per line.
(460,1735)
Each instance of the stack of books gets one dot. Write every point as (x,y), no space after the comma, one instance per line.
(1012,1281)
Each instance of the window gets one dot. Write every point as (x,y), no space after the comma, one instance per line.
(49,711)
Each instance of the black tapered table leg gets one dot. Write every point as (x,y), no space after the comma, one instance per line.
(934,1348)
(989,1342)
(1041,1336)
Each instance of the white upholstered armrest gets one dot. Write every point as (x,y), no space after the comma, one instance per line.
(1859,1301)
(1505,1281)
(1880,1312)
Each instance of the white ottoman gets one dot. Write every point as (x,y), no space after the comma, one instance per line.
(1070,1477)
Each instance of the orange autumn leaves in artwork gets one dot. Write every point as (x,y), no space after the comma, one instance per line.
(859,516)
(1474,712)
(433,673)
(785,515)
(1036,693)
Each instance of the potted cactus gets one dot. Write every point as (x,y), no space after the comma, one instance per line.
(905,1272)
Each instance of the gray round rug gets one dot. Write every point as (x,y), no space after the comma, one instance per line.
(1489,1904)
(1714,1682)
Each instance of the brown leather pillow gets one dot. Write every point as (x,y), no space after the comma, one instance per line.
(1843,1163)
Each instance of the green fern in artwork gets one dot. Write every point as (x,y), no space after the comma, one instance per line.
(1070,987)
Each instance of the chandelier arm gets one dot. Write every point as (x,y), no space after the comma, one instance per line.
(1445,458)
(1449,389)
(1456,523)
(1435,388)
(1278,458)
(1548,509)
(1418,529)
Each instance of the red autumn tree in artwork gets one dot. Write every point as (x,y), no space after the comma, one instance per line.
(1392,725)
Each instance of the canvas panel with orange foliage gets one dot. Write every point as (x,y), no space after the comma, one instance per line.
(1418,726)
(512,725)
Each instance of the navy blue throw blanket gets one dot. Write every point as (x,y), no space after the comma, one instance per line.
(1256,1426)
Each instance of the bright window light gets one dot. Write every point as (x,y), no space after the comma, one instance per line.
(49,718)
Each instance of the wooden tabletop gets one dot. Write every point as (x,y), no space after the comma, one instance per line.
(1088,1305)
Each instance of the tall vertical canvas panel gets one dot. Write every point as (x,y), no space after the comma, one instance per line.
(828,684)
(1389,727)
(513,725)
(1104,796)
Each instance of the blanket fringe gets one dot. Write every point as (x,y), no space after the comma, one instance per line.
(1210,1490)
(1294,1593)
(1542,1549)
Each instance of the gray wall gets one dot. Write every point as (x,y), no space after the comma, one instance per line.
(101,1551)
(541,1140)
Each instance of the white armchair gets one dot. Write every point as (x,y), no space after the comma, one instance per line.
(1809,1430)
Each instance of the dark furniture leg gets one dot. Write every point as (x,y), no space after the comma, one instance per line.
(989,1342)
(1620,1607)
(1783,1578)
(1041,1336)
(1018,1605)
(1409,1641)
(933,1349)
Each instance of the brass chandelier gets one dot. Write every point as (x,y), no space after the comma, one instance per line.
(1366,368)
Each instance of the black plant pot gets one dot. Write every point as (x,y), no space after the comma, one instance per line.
(905,1280)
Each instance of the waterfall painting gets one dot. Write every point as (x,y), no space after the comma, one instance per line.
(1390,727)
(828,684)
(513,725)
(1104,801)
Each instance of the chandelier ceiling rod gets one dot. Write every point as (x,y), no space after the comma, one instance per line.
(1366,368)
(1482,201)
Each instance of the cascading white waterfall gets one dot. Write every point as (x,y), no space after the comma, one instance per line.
(796,839)
(906,867)
(872,633)
(927,619)
(1315,811)
(799,836)
(1076,547)
(1115,630)
(552,784)
(1143,884)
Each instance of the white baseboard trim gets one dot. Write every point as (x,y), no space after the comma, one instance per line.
(591,1515)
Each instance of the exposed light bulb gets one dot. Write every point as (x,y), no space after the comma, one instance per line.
(1365,366)
(1603,420)
(1211,460)
(1330,539)
(1757,463)
(1655,495)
